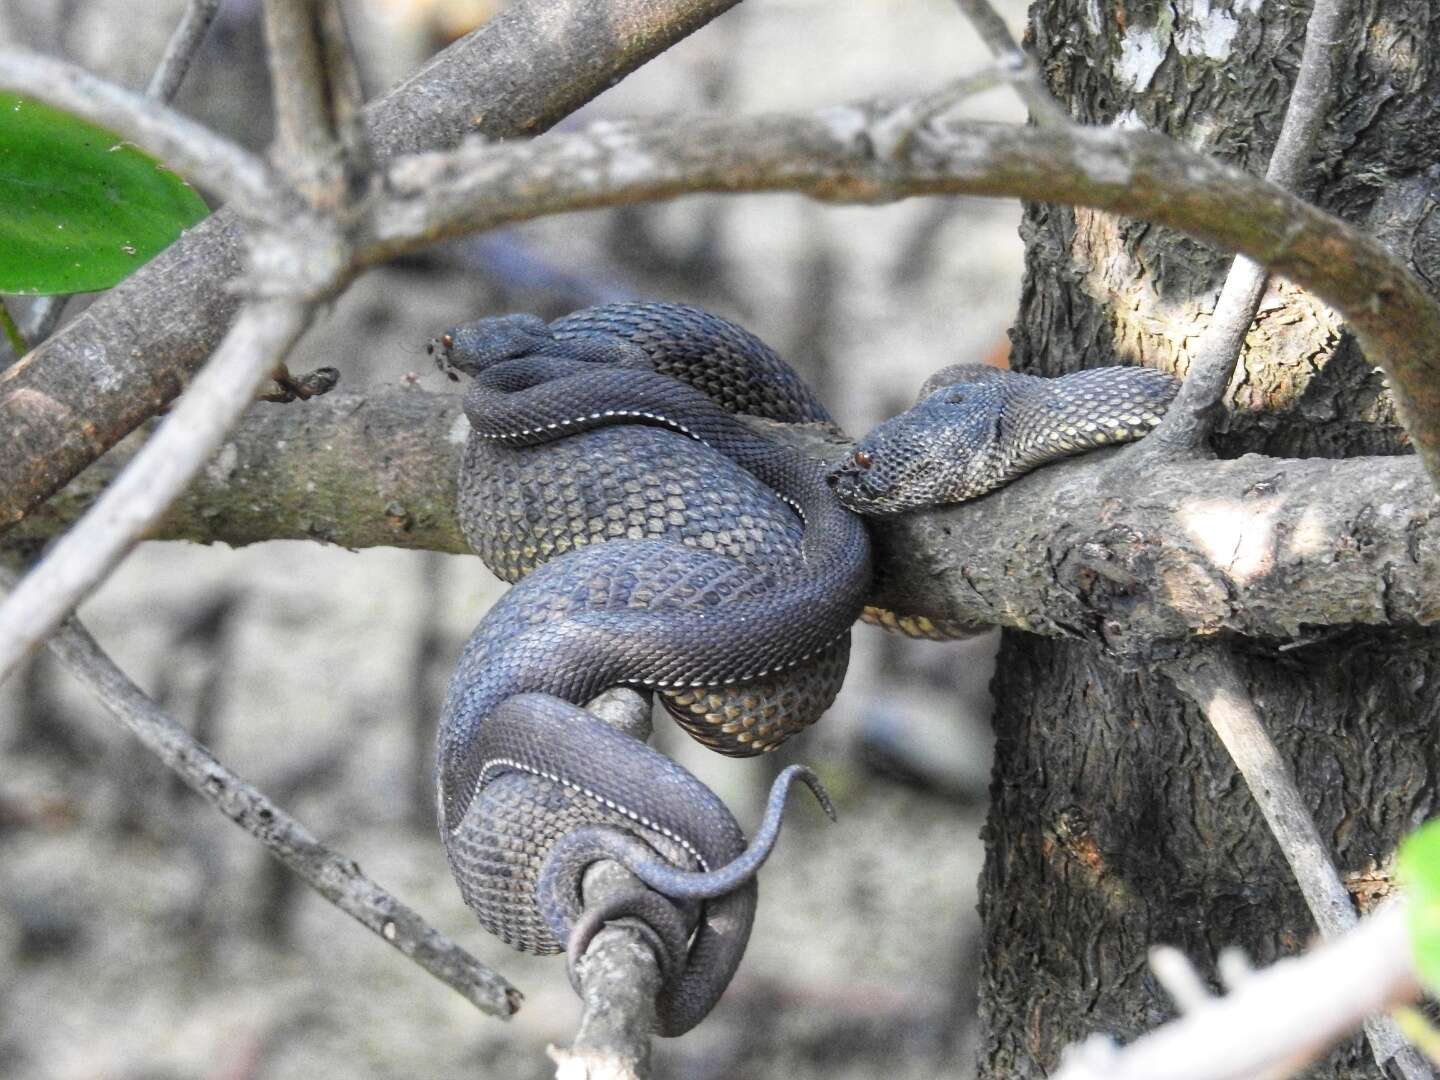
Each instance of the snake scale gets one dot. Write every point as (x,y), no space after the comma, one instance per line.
(657,541)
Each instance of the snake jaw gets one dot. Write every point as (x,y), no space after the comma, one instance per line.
(941,451)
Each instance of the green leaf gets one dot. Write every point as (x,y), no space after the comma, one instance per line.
(1419,870)
(79,207)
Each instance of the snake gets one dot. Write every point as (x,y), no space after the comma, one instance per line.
(656,540)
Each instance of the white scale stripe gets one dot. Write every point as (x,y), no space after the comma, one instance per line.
(676,425)
(496,763)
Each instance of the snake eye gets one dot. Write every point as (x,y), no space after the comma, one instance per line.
(863,459)
(447,341)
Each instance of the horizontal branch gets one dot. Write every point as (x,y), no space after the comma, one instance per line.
(1263,547)
(133,349)
(357,470)
(861,153)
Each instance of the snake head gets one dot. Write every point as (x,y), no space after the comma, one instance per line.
(477,345)
(943,450)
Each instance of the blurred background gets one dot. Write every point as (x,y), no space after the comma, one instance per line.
(143,936)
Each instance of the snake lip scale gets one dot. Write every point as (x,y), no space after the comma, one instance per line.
(655,540)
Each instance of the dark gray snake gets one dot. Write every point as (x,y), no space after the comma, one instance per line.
(701,559)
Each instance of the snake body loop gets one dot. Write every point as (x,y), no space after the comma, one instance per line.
(657,541)
(699,558)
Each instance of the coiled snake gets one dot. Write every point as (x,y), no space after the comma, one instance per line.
(658,541)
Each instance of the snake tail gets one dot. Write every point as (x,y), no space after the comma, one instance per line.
(539,783)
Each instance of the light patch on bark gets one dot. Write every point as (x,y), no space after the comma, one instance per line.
(1238,537)
(1142,51)
(1209,32)
(102,372)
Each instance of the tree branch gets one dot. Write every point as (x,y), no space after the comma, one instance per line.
(833,155)
(140,495)
(1025,77)
(1211,679)
(318,134)
(1276,1019)
(337,878)
(619,973)
(534,63)
(1191,415)
(619,978)
(180,50)
(1259,547)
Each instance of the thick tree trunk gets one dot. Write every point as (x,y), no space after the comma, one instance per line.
(1118,821)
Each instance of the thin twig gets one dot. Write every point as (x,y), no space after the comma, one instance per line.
(1192,414)
(619,974)
(1019,68)
(1211,678)
(187,439)
(317,101)
(1285,1014)
(337,878)
(180,50)
(190,148)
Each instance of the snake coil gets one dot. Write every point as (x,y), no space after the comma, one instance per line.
(656,541)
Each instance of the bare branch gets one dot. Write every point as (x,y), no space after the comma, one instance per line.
(619,974)
(619,978)
(191,149)
(1260,547)
(180,50)
(832,155)
(185,442)
(1211,678)
(358,470)
(1287,1013)
(535,62)
(990,26)
(318,135)
(329,873)
(1191,415)
(1022,73)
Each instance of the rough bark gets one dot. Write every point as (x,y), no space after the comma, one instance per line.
(1112,799)
(1265,547)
